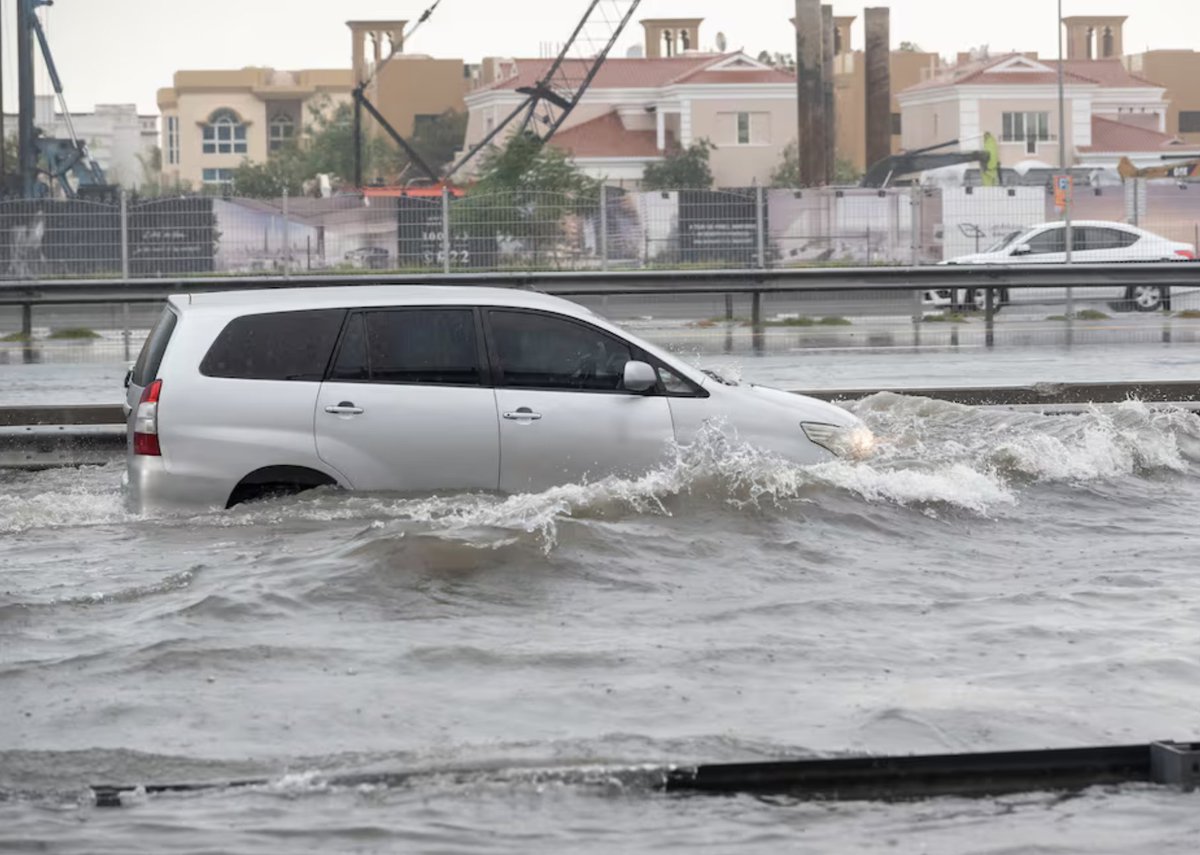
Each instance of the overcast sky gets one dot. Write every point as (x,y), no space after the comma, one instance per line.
(122,51)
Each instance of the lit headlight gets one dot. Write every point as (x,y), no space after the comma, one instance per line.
(854,442)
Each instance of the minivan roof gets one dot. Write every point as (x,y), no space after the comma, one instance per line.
(352,296)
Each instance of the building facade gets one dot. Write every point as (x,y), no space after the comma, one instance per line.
(407,88)
(120,139)
(908,68)
(1114,107)
(1179,72)
(212,121)
(639,108)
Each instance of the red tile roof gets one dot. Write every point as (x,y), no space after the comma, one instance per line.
(629,73)
(1109,73)
(1112,136)
(606,136)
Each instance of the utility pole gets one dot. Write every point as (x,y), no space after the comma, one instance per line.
(810,93)
(25,102)
(1062,137)
(879,83)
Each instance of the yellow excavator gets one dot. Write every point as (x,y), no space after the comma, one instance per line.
(1181,169)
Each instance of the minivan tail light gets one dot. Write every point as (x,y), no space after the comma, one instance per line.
(145,422)
(1186,253)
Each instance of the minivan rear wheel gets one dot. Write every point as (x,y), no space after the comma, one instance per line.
(274,482)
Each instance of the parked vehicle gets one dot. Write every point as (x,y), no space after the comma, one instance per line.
(369,257)
(1093,242)
(236,396)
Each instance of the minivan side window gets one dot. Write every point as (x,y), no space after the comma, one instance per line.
(541,352)
(275,346)
(428,346)
(145,370)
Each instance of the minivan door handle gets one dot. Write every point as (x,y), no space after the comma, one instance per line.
(523,414)
(345,408)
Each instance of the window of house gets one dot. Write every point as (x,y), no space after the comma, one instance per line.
(897,124)
(281,131)
(222,178)
(225,133)
(744,128)
(1019,127)
(172,140)
(1189,121)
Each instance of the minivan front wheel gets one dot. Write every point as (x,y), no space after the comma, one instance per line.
(1148,298)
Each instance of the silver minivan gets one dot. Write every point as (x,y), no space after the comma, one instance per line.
(236,396)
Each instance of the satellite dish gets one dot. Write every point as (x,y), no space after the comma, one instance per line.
(636,52)
(722,42)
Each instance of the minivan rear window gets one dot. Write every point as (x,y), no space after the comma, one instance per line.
(145,370)
(275,346)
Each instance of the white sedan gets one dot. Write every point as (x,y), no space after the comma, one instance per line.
(1092,242)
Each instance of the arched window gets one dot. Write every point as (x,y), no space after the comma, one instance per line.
(685,40)
(225,133)
(1107,43)
(669,42)
(282,131)
(1091,43)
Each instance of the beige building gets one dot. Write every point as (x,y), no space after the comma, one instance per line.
(908,68)
(638,109)
(1134,107)
(212,121)
(408,88)
(1179,72)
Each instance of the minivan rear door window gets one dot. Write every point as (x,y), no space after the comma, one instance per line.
(275,346)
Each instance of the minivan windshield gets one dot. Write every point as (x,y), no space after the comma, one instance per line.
(1004,241)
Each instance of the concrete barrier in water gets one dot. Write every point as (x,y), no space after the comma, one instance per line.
(41,437)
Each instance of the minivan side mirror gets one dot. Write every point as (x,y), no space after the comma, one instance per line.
(1022,249)
(639,377)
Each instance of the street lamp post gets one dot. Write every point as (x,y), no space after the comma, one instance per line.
(1062,134)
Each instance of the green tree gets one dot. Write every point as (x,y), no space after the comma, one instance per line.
(526,193)
(682,169)
(438,138)
(285,170)
(787,172)
(329,149)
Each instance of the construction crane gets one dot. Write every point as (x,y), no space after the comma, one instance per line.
(66,162)
(558,91)
(881,174)
(548,102)
(1179,169)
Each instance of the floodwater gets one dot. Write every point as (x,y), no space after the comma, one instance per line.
(471,673)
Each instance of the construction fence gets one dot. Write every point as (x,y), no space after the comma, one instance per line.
(613,229)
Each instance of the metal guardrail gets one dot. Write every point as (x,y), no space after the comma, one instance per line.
(1180,274)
